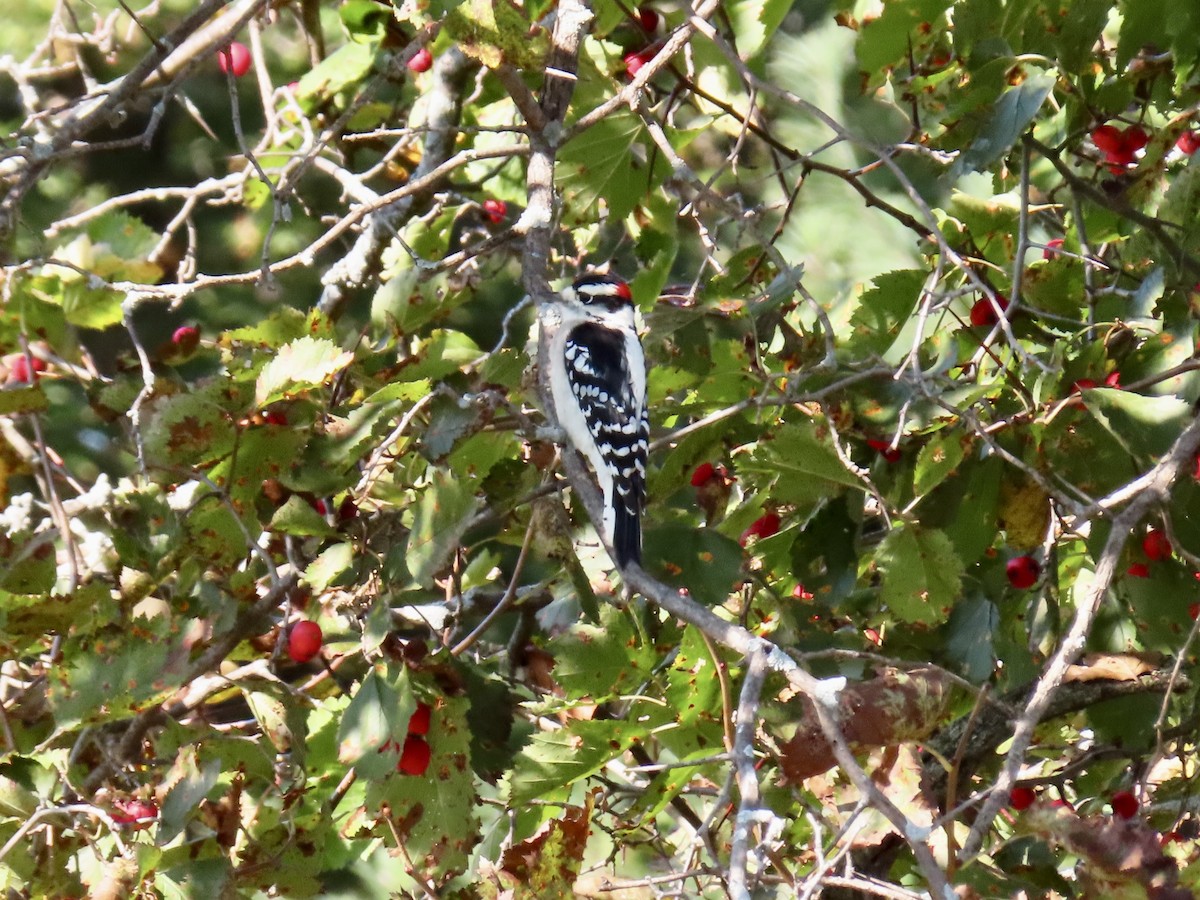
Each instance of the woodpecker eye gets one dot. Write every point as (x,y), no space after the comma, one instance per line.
(603,289)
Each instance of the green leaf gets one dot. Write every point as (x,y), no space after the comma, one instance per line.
(937,460)
(442,353)
(702,560)
(597,662)
(496,32)
(921,574)
(297,517)
(887,39)
(191,785)
(283,325)
(755,21)
(884,308)
(1145,426)
(345,67)
(91,307)
(599,165)
(188,430)
(328,568)
(1012,115)
(804,465)
(378,715)
(300,366)
(442,514)
(439,808)
(552,761)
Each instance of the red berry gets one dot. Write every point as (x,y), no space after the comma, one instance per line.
(347,510)
(1113,380)
(19,371)
(647,18)
(235,58)
(1021,798)
(1156,545)
(1194,611)
(762,527)
(800,592)
(495,211)
(304,641)
(419,722)
(885,448)
(1107,138)
(703,474)
(1124,804)
(414,758)
(1082,384)
(422,62)
(638,58)
(983,314)
(1189,142)
(1052,246)
(137,813)
(1134,139)
(1022,572)
(274,417)
(1138,570)
(186,338)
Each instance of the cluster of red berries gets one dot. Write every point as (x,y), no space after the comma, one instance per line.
(134,813)
(1124,804)
(1120,148)
(415,754)
(648,20)
(1156,546)
(25,371)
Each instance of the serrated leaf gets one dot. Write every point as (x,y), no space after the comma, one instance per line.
(805,466)
(188,430)
(599,165)
(439,818)
(442,514)
(343,68)
(329,566)
(15,800)
(297,517)
(88,307)
(283,325)
(300,366)
(921,574)
(495,32)
(377,716)
(601,661)
(885,307)
(552,761)
(192,782)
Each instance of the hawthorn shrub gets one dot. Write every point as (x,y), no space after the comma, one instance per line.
(920,282)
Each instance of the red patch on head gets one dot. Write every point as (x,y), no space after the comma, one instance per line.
(623,291)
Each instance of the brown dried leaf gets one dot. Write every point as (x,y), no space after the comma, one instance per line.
(1110,666)
(895,708)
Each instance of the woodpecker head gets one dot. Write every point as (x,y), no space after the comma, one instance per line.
(600,291)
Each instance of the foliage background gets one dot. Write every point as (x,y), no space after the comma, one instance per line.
(827,684)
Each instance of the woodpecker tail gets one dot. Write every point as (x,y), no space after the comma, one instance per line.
(627,531)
